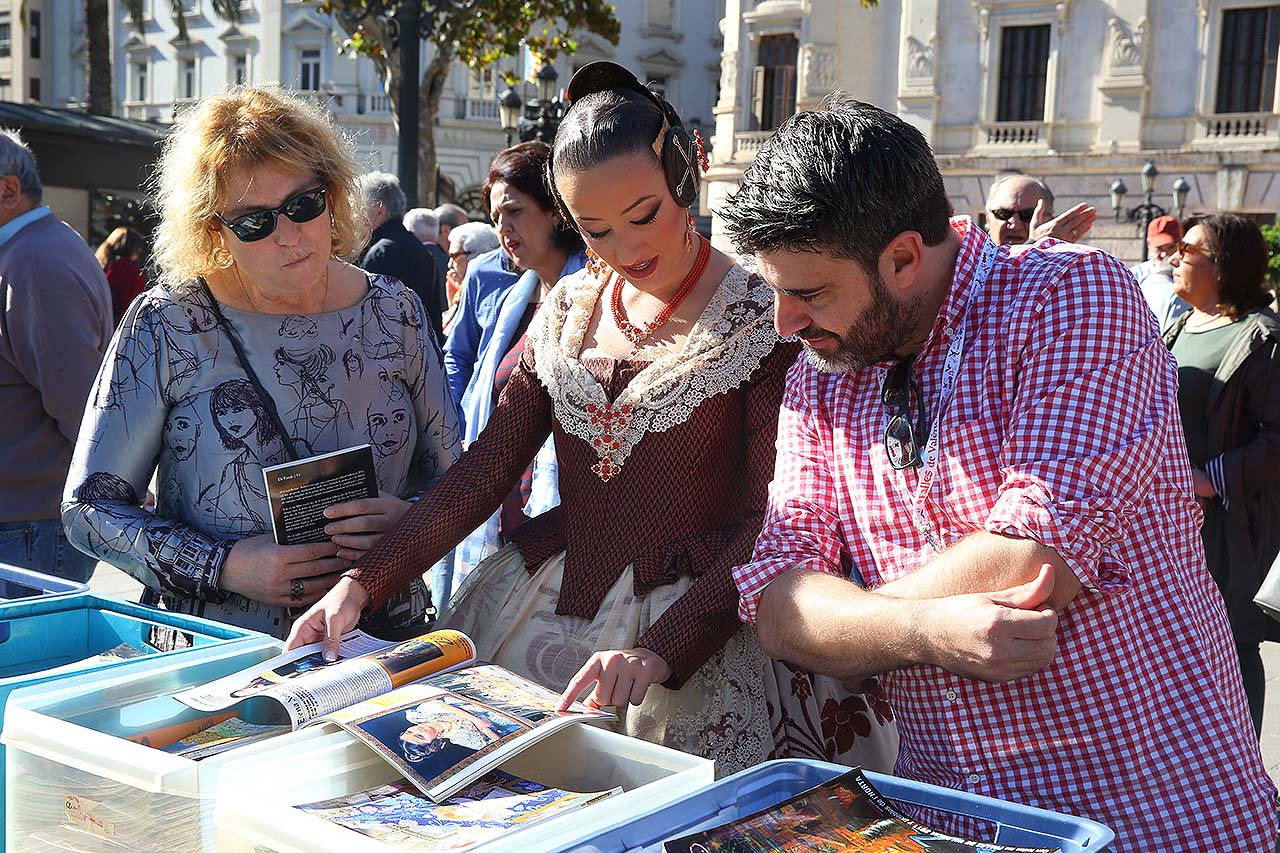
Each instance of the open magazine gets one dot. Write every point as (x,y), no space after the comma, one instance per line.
(488,808)
(309,687)
(423,704)
(845,815)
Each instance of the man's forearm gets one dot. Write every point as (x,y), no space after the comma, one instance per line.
(823,623)
(985,562)
(829,625)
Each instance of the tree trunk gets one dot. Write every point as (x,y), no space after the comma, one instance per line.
(98,56)
(431,193)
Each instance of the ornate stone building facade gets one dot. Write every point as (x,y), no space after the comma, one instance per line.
(1079,94)
(291,43)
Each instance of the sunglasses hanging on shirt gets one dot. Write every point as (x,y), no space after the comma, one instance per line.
(907,431)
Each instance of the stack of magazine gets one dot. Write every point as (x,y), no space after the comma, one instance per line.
(444,721)
(845,815)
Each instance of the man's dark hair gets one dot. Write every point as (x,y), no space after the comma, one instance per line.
(524,167)
(843,180)
(1242,260)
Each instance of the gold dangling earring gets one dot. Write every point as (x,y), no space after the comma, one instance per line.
(221,257)
(688,235)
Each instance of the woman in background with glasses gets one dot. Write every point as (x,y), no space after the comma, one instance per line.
(259,216)
(1228,352)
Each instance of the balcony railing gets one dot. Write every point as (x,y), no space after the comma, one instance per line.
(477,109)
(1012,134)
(745,145)
(141,111)
(1237,126)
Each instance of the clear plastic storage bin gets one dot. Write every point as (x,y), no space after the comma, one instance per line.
(75,783)
(17,582)
(51,637)
(768,784)
(256,815)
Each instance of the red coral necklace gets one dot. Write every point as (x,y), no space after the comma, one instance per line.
(636,334)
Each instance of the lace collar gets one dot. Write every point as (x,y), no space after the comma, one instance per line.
(724,347)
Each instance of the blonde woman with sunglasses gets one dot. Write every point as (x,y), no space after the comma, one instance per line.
(257,195)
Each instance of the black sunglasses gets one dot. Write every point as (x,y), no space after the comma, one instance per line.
(258,225)
(903,440)
(1004,214)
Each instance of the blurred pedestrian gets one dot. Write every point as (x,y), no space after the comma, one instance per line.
(1155,275)
(423,224)
(1020,210)
(55,323)
(449,216)
(119,255)
(393,251)
(490,330)
(1228,352)
(467,241)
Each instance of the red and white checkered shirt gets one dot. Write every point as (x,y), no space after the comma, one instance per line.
(1063,429)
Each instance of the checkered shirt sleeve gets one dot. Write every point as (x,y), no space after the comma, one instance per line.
(1088,425)
(802,523)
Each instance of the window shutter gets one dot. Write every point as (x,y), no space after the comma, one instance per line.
(757,97)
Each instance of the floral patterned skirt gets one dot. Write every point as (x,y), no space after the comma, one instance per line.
(739,708)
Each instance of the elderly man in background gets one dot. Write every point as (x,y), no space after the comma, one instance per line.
(393,251)
(1155,275)
(467,241)
(423,223)
(450,216)
(55,323)
(1020,210)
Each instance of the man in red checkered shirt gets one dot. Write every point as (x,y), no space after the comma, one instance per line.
(982,493)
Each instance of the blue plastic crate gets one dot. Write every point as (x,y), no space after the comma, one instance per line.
(17,582)
(770,783)
(40,635)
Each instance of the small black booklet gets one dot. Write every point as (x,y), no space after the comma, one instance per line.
(301,491)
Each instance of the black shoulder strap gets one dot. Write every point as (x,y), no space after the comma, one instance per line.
(267,402)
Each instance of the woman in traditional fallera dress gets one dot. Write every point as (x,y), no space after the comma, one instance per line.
(659,373)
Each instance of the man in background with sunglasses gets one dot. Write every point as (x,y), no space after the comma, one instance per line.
(1020,210)
(982,496)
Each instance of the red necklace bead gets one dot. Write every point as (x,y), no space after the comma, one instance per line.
(636,334)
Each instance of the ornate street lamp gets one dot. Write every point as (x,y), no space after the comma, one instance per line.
(1142,214)
(1181,189)
(509,107)
(409,27)
(546,78)
(539,118)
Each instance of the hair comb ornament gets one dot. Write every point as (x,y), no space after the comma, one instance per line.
(702,150)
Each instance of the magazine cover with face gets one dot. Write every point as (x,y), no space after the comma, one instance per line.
(442,740)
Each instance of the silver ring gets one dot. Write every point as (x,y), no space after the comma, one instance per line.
(296,589)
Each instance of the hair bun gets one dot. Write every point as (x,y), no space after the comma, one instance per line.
(679,155)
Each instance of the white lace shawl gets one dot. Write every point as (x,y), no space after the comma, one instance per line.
(723,348)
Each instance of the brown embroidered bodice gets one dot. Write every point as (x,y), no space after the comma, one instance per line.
(663,466)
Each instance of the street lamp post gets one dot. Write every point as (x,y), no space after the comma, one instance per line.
(1142,214)
(410,27)
(539,118)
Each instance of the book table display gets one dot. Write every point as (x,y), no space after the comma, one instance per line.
(83,774)
(54,638)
